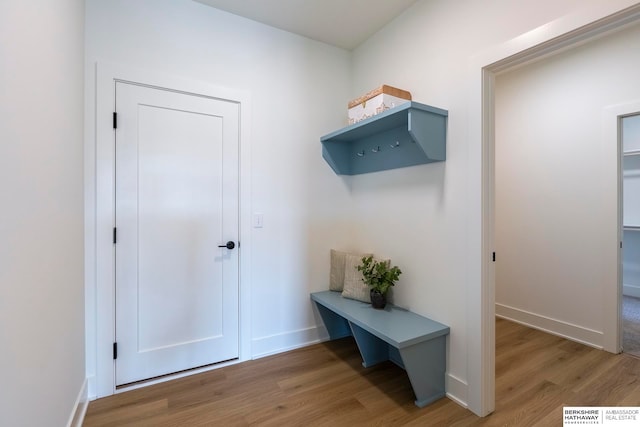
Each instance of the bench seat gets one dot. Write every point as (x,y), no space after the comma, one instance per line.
(413,342)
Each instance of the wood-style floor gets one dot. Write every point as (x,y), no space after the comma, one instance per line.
(325,384)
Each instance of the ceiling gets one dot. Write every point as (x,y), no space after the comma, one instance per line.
(341,23)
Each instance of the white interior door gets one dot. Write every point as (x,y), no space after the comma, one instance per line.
(176,203)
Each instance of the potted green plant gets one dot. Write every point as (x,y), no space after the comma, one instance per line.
(379,276)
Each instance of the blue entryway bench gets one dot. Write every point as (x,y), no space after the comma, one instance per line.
(411,341)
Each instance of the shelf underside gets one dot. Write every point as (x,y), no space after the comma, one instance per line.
(375,153)
(409,135)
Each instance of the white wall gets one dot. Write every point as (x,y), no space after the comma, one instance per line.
(295,86)
(553,192)
(422,217)
(41,220)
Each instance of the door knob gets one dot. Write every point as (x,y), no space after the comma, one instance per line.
(229,245)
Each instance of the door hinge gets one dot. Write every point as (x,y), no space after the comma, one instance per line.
(115,235)
(115,120)
(494,257)
(115,350)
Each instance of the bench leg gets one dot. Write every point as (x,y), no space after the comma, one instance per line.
(372,349)
(337,326)
(425,365)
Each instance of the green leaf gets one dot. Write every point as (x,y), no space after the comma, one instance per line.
(378,275)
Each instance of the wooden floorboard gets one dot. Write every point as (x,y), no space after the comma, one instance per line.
(325,385)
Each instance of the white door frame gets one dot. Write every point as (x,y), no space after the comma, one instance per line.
(592,21)
(106,76)
(611,135)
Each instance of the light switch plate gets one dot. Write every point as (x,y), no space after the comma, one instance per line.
(258,220)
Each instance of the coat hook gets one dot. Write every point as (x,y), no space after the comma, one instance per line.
(396,145)
(375,150)
(360,153)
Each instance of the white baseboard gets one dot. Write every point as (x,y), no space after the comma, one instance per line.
(456,390)
(631,290)
(553,326)
(279,343)
(80,407)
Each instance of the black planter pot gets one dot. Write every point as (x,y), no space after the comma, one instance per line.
(378,300)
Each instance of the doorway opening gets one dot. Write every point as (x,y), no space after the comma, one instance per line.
(556,189)
(558,36)
(629,129)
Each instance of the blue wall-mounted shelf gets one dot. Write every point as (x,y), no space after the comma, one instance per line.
(407,135)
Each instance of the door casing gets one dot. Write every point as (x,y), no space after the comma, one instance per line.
(100,299)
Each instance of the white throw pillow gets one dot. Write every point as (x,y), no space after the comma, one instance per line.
(354,286)
(336,276)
